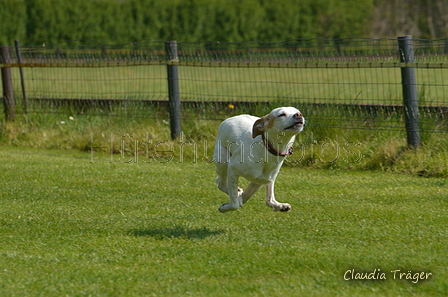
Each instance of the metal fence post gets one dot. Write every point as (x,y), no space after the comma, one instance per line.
(173,89)
(410,95)
(8,91)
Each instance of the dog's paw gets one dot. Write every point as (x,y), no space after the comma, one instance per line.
(283,207)
(227,207)
(222,208)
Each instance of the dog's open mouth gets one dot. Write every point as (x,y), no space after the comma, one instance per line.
(295,126)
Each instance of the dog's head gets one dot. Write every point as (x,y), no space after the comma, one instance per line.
(288,120)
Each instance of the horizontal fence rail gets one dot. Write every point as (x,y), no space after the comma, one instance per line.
(346,83)
(229,64)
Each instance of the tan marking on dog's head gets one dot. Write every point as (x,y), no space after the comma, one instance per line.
(259,126)
(263,124)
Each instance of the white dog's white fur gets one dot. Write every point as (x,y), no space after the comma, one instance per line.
(254,148)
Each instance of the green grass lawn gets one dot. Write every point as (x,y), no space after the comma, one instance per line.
(75,228)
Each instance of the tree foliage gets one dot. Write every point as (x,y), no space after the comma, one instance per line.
(12,24)
(419,18)
(36,22)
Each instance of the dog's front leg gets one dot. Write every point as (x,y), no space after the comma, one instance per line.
(251,189)
(270,200)
(235,194)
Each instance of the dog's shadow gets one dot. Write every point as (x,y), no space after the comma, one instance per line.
(176,232)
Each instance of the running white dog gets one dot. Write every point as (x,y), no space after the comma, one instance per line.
(255,149)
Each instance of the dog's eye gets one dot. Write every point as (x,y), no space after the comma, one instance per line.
(282,115)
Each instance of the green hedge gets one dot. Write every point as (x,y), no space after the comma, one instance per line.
(36,22)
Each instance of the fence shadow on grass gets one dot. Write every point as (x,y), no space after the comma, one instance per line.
(176,232)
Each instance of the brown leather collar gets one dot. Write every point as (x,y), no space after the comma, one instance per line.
(273,151)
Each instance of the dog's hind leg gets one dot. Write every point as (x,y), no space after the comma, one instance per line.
(251,189)
(221,163)
(221,180)
(235,193)
(270,200)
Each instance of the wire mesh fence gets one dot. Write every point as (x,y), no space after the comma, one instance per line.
(349,83)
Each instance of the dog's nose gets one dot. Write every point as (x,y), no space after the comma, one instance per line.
(298,115)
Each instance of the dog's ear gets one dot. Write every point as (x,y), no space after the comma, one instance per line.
(258,128)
